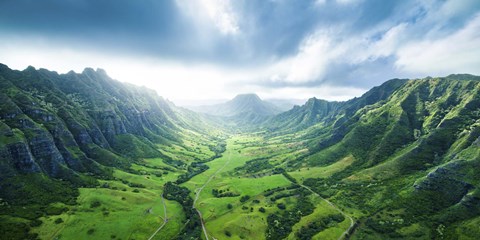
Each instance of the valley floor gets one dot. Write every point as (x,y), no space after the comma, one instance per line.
(132,207)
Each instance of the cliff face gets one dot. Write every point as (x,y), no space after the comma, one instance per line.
(71,123)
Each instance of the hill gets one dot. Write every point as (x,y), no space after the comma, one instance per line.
(81,154)
(414,143)
(59,132)
(243,110)
(240,106)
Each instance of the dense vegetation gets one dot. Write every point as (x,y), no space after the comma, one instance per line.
(280,223)
(401,162)
(193,228)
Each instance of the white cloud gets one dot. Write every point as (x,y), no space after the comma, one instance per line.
(456,53)
(417,48)
(219,13)
(316,52)
(331,93)
(384,47)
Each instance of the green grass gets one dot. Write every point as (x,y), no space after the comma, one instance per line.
(128,212)
(218,217)
(322,172)
(322,209)
(126,219)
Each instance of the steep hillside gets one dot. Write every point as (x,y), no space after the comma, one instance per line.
(81,154)
(64,123)
(59,132)
(414,146)
(316,111)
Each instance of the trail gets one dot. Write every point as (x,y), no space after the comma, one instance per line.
(165,219)
(200,189)
(352,222)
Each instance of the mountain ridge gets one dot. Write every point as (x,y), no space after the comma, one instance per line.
(241,104)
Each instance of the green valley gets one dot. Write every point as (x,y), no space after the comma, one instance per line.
(83,156)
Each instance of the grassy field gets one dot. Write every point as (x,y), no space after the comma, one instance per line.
(130,206)
(322,209)
(228,217)
(120,215)
(322,172)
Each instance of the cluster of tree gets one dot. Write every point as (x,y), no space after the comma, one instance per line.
(193,228)
(41,191)
(292,190)
(172,162)
(280,225)
(130,184)
(255,165)
(271,191)
(195,168)
(218,149)
(221,193)
(289,177)
(282,195)
(319,225)
(244,198)
(325,187)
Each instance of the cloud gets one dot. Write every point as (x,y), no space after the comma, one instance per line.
(310,63)
(216,48)
(456,53)
(219,13)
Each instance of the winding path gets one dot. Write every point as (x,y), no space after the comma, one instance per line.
(352,222)
(200,189)
(165,219)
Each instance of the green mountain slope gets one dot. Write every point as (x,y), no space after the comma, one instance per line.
(59,132)
(402,162)
(316,111)
(414,146)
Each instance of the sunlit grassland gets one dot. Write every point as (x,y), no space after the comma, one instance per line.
(114,210)
(322,209)
(230,156)
(214,207)
(136,215)
(322,172)
(245,221)
(130,215)
(215,210)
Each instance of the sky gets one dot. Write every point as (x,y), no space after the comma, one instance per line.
(195,51)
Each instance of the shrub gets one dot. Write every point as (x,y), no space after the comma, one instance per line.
(95,204)
(36,223)
(244,198)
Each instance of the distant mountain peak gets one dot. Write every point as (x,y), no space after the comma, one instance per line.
(242,104)
(247,96)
